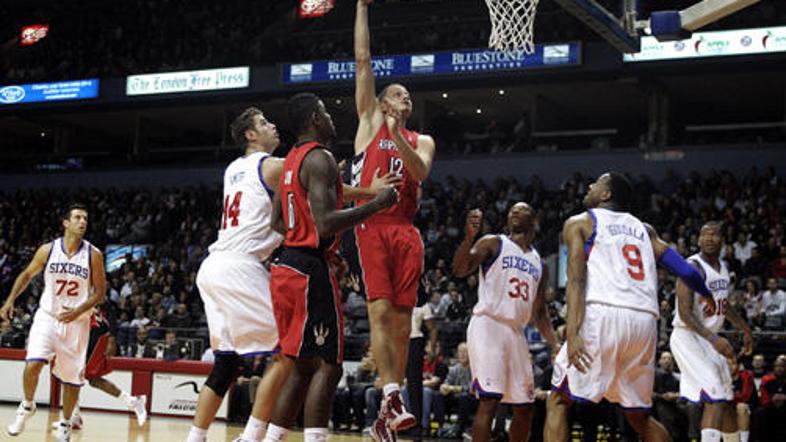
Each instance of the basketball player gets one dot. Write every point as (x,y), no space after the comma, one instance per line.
(705,359)
(234,282)
(389,245)
(102,340)
(612,310)
(74,282)
(304,287)
(512,290)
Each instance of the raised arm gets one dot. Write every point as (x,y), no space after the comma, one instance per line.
(23,280)
(575,233)
(469,256)
(319,174)
(417,162)
(541,317)
(365,95)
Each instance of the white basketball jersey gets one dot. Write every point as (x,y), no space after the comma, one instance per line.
(509,284)
(66,280)
(718,282)
(245,223)
(621,268)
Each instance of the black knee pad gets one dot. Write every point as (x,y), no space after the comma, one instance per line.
(223,373)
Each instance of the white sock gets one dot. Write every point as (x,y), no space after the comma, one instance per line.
(127,398)
(744,435)
(29,405)
(75,412)
(255,429)
(315,435)
(731,437)
(710,435)
(389,388)
(197,435)
(276,433)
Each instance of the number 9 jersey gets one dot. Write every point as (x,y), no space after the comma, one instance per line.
(621,267)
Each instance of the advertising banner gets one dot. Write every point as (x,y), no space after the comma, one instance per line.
(188,81)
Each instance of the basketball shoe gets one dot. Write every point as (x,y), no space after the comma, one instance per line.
(395,415)
(23,413)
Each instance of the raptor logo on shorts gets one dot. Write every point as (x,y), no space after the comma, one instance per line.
(320,333)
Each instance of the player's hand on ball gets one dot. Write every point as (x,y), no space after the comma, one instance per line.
(387,197)
(577,354)
(474,222)
(723,347)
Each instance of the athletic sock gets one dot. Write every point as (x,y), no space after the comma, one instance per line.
(744,435)
(276,434)
(127,398)
(389,388)
(731,437)
(197,435)
(255,429)
(710,435)
(315,435)
(28,405)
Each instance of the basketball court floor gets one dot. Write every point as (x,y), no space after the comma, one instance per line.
(111,427)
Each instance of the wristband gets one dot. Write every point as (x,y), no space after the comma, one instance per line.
(714,339)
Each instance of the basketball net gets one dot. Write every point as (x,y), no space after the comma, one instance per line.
(511,25)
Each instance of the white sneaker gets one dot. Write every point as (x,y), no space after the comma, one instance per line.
(22,415)
(139,407)
(64,432)
(76,422)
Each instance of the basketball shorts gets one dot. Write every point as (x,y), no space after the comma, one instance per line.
(97,364)
(500,362)
(391,260)
(307,305)
(65,343)
(235,288)
(706,374)
(622,344)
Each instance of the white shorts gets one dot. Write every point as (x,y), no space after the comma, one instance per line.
(622,344)
(235,289)
(706,374)
(66,343)
(500,362)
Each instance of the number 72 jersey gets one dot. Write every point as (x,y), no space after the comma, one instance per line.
(621,267)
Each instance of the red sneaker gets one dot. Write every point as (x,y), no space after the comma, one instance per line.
(380,431)
(397,417)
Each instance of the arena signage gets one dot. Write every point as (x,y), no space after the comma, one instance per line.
(473,61)
(178,394)
(713,44)
(62,90)
(188,81)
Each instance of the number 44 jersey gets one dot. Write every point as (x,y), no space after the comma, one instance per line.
(247,207)
(621,268)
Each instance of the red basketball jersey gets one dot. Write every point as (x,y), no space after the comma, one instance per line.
(295,209)
(383,153)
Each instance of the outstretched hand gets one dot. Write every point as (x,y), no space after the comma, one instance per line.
(379,181)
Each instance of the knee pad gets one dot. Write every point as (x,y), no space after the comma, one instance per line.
(223,373)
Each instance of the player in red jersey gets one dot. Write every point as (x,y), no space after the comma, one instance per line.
(304,287)
(390,247)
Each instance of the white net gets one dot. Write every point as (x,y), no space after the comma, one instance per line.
(512,24)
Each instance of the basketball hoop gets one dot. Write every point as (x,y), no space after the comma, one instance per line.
(512,23)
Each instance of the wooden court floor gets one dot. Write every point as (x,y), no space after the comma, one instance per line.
(111,427)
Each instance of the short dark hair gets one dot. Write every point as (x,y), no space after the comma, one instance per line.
(66,215)
(242,123)
(712,224)
(621,191)
(384,91)
(300,109)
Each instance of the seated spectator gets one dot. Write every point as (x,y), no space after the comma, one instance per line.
(752,301)
(140,319)
(141,348)
(457,393)
(434,372)
(171,349)
(745,399)
(779,265)
(666,397)
(772,414)
(773,304)
(10,338)
(180,318)
(759,369)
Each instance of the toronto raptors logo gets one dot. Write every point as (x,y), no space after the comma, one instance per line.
(385,144)
(320,333)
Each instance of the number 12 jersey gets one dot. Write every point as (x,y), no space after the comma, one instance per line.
(621,268)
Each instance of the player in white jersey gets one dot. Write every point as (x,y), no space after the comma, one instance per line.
(234,280)
(612,304)
(511,292)
(706,359)
(74,282)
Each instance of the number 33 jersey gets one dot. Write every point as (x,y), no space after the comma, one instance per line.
(247,207)
(509,283)
(621,268)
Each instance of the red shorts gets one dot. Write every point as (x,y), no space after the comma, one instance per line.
(307,305)
(391,259)
(97,362)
